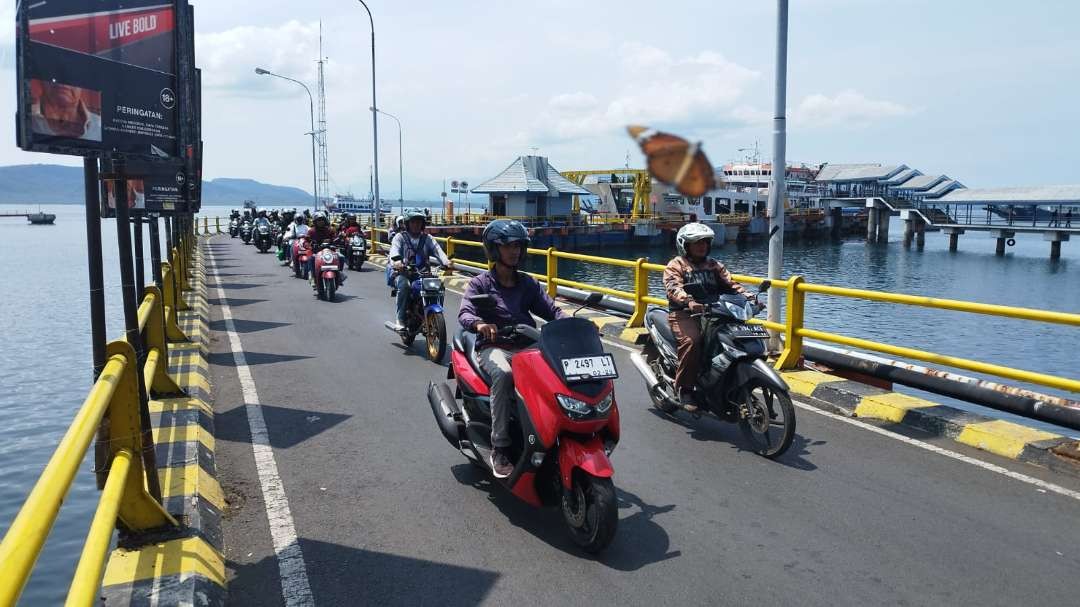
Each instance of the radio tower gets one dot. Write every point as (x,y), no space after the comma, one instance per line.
(324,167)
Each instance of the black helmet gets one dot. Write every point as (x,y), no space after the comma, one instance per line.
(503,232)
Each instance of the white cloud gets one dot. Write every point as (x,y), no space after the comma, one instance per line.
(654,88)
(848,108)
(229,58)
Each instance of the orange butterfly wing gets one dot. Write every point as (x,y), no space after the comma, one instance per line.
(667,154)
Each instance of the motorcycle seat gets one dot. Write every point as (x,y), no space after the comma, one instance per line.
(465,341)
(658,317)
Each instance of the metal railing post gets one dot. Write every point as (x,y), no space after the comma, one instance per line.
(552,272)
(450,250)
(793,323)
(154,337)
(217,224)
(641,290)
(206,226)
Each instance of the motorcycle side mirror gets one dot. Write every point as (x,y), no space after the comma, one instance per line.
(764,286)
(483,302)
(396,258)
(594,298)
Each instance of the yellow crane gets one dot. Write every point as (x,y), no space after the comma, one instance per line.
(641,206)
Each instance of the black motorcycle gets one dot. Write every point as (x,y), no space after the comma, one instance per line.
(355,252)
(246,232)
(263,237)
(736,383)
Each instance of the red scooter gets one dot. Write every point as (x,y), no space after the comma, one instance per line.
(327,276)
(301,253)
(564,424)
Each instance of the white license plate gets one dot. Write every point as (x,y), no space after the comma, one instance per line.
(589,367)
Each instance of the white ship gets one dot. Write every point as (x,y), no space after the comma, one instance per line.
(347,203)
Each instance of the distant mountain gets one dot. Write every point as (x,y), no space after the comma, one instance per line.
(56,184)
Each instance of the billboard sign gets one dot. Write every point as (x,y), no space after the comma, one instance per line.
(97,77)
(152,187)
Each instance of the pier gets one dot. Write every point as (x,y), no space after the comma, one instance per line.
(321,477)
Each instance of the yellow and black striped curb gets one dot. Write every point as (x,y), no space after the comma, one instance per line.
(185,567)
(855,399)
(1000,437)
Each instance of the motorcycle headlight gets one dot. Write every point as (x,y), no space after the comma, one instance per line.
(328,258)
(578,409)
(574,408)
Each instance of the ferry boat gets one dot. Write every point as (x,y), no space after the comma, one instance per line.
(347,203)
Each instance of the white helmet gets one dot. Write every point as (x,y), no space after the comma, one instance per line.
(692,232)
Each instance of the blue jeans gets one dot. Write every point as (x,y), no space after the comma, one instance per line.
(404,290)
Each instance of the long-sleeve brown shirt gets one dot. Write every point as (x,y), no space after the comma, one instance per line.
(680,270)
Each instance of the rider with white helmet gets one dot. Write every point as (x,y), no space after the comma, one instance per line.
(693,266)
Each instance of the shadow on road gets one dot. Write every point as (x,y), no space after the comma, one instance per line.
(234,302)
(639,541)
(247,326)
(287,426)
(708,428)
(237,285)
(341,575)
(226,359)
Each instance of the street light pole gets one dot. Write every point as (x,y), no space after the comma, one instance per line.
(311,105)
(778,185)
(401,163)
(374,118)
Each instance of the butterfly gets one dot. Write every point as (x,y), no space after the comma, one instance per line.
(675,161)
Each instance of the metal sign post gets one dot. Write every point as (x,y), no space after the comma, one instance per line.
(131,321)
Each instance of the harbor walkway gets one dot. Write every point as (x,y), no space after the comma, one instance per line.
(359,500)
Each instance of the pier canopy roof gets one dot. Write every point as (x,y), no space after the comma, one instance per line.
(858,172)
(1034,195)
(922,183)
(530,174)
(900,177)
(943,188)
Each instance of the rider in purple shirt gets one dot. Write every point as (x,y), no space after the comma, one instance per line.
(517,297)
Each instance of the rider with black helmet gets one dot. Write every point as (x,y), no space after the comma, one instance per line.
(517,297)
(406,246)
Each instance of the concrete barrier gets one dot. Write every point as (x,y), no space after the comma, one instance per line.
(185,568)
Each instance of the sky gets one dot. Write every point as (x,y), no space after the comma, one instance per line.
(986,92)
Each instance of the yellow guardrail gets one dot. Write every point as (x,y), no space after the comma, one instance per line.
(112,410)
(793,328)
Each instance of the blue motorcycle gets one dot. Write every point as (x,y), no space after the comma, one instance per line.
(424,314)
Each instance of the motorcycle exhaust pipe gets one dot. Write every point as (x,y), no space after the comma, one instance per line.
(390,326)
(444,407)
(651,382)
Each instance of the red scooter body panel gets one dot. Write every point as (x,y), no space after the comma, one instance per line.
(537,383)
(589,456)
(465,374)
(525,489)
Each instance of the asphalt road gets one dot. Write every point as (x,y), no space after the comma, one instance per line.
(387,513)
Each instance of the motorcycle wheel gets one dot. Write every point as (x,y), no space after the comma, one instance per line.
(435,332)
(770,425)
(590,511)
(407,338)
(328,288)
(658,400)
(296,268)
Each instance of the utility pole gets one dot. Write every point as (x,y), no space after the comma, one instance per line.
(778,185)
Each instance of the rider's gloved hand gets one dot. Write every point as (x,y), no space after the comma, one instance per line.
(695,307)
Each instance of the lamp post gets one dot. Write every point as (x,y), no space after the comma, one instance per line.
(401,163)
(778,185)
(311,106)
(376,203)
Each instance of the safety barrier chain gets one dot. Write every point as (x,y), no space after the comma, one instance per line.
(113,411)
(793,328)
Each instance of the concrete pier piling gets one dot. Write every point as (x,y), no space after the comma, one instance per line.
(954,236)
(1055,239)
(872,220)
(1001,236)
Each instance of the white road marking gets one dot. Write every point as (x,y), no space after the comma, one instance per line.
(295,589)
(1023,478)
(1040,484)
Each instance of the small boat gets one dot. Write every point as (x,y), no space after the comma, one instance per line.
(41,219)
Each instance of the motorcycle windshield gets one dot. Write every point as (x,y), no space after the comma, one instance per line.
(571,338)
